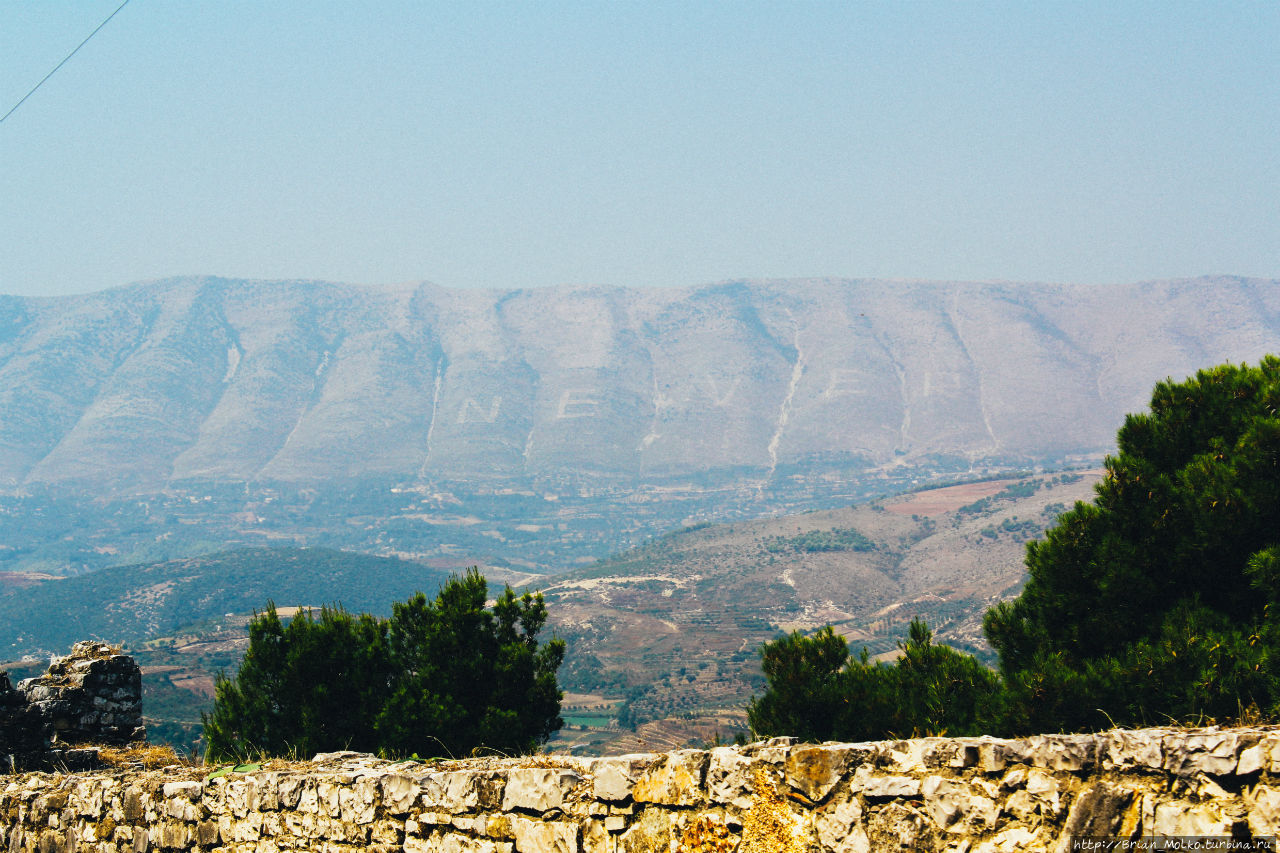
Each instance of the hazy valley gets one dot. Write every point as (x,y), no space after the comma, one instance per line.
(150,434)
(662,638)
(541,430)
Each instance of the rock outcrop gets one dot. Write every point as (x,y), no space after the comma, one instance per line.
(970,795)
(91,696)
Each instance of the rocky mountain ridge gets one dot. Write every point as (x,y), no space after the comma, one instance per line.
(544,429)
(243,381)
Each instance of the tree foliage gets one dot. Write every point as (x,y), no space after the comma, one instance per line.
(817,691)
(445,675)
(1158,600)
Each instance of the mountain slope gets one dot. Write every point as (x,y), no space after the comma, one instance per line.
(131,604)
(216,380)
(541,430)
(674,627)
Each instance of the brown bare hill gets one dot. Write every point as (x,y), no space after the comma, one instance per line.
(671,630)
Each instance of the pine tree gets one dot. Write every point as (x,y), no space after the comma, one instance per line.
(446,676)
(1157,600)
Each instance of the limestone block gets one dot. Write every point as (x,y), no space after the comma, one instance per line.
(876,786)
(676,779)
(1254,759)
(182,809)
(1181,817)
(1010,839)
(241,796)
(1072,753)
(1044,789)
(175,835)
(461,790)
(360,803)
(206,833)
(595,837)
(652,833)
(815,770)
(248,828)
(454,843)
(186,790)
(898,826)
(995,754)
(89,795)
(839,827)
(475,825)
(386,832)
(771,751)
(328,798)
(1100,811)
(613,778)
(1123,749)
(536,836)
(399,793)
(1213,752)
(272,824)
(953,806)
(729,777)
(308,799)
(537,789)
(917,755)
(1264,810)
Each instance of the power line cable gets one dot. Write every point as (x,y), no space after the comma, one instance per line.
(63,62)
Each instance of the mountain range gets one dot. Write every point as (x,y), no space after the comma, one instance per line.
(546,428)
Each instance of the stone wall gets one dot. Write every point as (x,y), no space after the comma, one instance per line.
(92,696)
(966,795)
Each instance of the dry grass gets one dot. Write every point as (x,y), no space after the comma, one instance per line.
(151,756)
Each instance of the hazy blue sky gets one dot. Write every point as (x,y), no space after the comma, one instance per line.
(638,143)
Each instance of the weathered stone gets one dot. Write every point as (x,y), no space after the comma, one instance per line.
(1122,749)
(729,777)
(1186,818)
(537,789)
(1264,810)
(1255,759)
(455,843)
(596,837)
(614,778)
(1044,789)
(1213,752)
(887,786)
(953,805)
(1072,753)
(839,827)
(676,779)
(1099,811)
(400,793)
(928,794)
(546,836)
(814,771)
(995,754)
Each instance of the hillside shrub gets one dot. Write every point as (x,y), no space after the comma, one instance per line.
(1158,601)
(444,676)
(817,691)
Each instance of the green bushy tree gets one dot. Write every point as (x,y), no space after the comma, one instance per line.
(445,675)
(817,691)
(1158,600)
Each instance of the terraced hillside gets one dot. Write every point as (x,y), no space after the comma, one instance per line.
(671,630)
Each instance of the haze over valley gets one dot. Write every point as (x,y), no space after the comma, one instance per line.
(537,430)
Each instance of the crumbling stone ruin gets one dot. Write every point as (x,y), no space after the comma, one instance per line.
(92,696)
(948,795)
